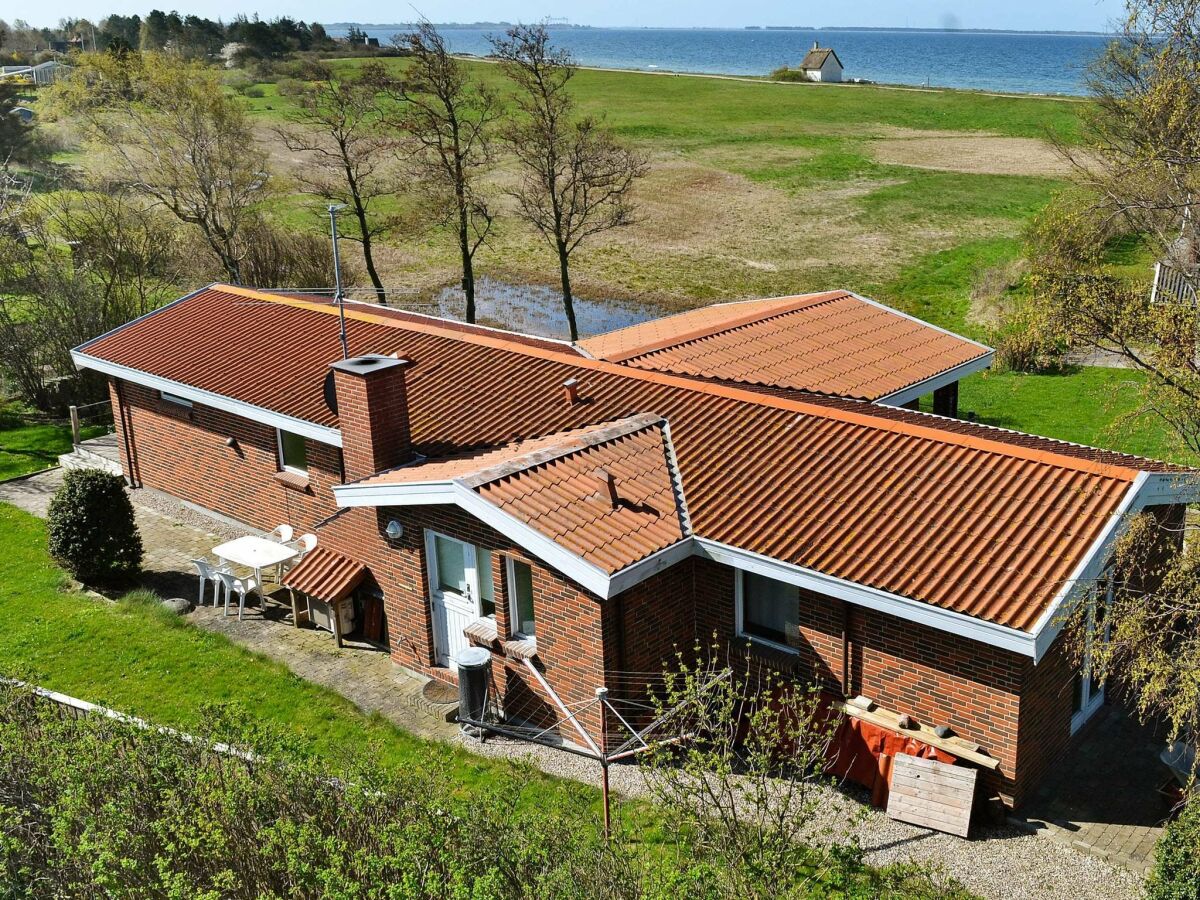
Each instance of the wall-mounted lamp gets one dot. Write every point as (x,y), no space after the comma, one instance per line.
(231,443)
(394,530)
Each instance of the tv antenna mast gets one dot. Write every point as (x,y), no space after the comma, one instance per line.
(338,296)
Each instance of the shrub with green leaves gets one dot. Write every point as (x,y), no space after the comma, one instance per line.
(1176,874)
(92,529)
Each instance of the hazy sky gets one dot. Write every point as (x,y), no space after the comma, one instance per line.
(1031,14)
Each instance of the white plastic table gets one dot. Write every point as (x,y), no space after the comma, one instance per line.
(255,553)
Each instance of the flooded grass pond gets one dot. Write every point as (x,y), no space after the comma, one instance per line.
(536,309)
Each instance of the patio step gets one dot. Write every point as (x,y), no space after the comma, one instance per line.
(83,458)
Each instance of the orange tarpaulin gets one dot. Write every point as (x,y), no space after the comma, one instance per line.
(863,753)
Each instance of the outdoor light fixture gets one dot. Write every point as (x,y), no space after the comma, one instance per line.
(231,443)
(394,530)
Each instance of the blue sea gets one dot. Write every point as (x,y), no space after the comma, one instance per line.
(1020,63)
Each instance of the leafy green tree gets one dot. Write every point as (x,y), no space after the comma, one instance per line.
(166,128)
(92,529)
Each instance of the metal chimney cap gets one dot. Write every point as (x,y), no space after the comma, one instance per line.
(367,364)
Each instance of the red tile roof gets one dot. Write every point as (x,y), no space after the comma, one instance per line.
(832,343)
(325,575)
(963,517)
(555,485)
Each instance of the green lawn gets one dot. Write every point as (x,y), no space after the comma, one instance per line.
(1088,405)
(32,447)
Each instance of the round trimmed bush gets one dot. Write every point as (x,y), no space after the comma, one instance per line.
(93,533)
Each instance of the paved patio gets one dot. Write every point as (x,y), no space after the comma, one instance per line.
(1103,800)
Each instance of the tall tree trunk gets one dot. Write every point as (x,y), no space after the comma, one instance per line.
(368,256)
(468,264)
(568,299)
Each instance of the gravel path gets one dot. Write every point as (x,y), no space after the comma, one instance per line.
(1001,863)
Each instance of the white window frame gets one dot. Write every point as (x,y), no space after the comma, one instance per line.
(514,616)
(283,466)
(1091,702)
(739,614)
(168,397)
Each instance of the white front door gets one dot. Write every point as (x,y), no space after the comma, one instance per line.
(453,593)
(1087,690)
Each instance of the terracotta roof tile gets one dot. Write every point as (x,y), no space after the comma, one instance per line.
(325,575)
(552,484)
(833,343)
(971,519)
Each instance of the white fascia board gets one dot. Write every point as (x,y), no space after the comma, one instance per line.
(921,388)
(425,493)
(1167,488)
(911,318)
(1001,636)
(454,493)
(656,562)
(1050,623)
(322,433)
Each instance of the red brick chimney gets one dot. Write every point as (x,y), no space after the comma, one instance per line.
(372,408)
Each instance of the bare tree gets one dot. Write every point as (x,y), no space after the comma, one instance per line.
(743,780)
(166,127)
(576,177)
(448,114)
(339,125)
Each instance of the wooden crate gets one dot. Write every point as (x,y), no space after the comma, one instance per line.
(932,794)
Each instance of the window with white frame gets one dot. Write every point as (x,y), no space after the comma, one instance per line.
(768,610)
(520,595)
(293,454)
(1087,691)
(175,398)
(487,595)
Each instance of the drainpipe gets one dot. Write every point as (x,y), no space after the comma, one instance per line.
(126,431)
(845,649)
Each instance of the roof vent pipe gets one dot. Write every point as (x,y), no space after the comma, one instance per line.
(571,390)
(608,486)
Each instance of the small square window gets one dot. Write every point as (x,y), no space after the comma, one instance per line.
(769,610)
(293,454)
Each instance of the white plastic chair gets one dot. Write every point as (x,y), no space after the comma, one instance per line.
(240,586)
(283,534)
(209,573)
(306,543)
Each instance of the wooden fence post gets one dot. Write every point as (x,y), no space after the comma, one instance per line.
(76,434)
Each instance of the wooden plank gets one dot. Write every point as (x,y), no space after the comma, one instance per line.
(932,794)
(955,746)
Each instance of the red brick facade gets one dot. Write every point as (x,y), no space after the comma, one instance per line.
(1020,713)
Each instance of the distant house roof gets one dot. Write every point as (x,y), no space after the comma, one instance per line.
(934,516)
(815,58)
(834,343)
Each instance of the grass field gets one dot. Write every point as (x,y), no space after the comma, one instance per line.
(30,448)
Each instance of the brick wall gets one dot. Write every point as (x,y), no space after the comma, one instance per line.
(183,451)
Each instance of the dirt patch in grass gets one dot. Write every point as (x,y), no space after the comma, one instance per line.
(974,154)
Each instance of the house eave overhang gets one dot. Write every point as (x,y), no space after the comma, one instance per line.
(1148,489)
(322,433)
(931,384)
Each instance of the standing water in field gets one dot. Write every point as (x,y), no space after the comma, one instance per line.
(536,309)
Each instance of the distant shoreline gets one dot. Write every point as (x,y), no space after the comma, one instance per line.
(844,28)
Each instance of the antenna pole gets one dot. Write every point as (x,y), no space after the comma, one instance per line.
(337,278)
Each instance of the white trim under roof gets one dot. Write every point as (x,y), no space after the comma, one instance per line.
(322,433)
(918,611)
(928,385)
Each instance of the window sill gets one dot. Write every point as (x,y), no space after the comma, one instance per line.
(482,630)
(521,648)
(293,481)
